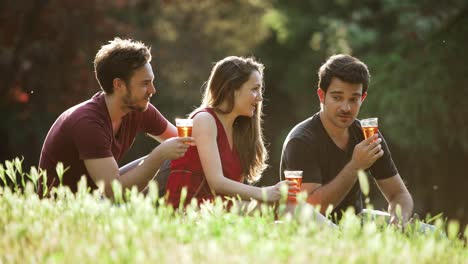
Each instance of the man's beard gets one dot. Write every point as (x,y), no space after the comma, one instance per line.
(130,104)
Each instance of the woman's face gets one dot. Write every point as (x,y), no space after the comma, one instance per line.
(246,98)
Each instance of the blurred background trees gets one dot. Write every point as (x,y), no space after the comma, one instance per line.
(414,52)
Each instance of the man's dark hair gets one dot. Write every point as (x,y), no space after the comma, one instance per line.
(119,59)
(346,68)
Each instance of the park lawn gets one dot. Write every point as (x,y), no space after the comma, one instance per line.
(84,228)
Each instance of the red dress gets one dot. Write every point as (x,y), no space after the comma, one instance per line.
(188,172)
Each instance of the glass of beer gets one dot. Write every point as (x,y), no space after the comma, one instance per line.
(370,127)
(184,127)
(294,176)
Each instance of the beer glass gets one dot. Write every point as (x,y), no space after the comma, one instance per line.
(184,127)
(370,127)
(295,176)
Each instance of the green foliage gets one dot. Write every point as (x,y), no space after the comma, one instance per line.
(430,98)
(117,191)
(190,36)
(34,176)
(45,187)
(67,226)
(60,171)
(2,175)
(363,182)
(91,229)
(410,65)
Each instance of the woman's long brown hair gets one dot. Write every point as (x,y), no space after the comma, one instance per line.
(227,76)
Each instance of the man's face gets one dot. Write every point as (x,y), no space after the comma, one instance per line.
(139,89)
(341,103)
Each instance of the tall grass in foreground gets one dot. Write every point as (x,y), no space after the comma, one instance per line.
(84,228)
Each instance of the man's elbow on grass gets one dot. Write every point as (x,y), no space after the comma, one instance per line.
(405,202)
(317,201)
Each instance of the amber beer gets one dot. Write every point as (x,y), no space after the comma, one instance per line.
(296,177)
(184,127)
(370,127)
(370,131)
(184,131)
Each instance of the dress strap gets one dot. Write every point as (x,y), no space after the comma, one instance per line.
(210,111)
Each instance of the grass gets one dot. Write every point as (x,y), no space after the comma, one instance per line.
(84,228)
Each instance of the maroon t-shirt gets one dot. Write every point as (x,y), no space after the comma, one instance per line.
(85,132)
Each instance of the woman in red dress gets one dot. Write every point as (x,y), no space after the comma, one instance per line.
(228,136)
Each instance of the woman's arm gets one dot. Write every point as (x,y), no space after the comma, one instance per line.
(205,132)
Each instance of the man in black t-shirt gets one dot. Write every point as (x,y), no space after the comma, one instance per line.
(330,148)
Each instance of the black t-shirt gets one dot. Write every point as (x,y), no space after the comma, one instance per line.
(309,148)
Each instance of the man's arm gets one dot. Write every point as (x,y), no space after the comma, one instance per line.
(333,192)
(364,155)
(107,170)
(396,193)
(171,131)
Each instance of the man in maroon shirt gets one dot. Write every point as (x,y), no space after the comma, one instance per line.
(91,137)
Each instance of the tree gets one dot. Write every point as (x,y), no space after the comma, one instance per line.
(47,49)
